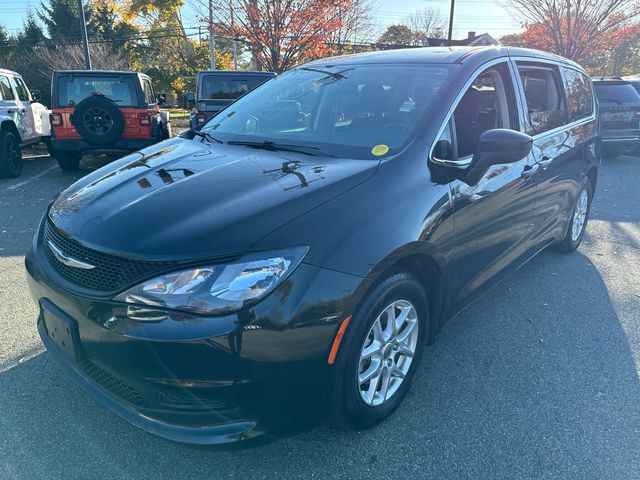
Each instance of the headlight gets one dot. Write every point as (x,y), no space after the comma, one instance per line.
(217,289)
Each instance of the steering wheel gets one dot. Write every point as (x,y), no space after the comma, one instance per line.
(252,124)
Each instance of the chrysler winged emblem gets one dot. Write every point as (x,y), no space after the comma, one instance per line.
(67,260)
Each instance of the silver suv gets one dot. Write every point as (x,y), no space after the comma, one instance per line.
(21,121)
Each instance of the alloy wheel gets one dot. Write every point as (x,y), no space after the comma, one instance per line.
(387,352)
(580,215)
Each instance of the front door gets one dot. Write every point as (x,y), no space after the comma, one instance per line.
(26,127)
(492,213)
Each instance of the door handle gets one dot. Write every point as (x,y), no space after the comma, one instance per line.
(545,161)
(529,170)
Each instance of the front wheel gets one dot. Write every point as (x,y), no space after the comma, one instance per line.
(10,156)
(380,352)
(578,220)
(68,161)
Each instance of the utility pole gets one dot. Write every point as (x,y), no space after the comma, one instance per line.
(85,38)
(235,44)
(453,4)
(212,48)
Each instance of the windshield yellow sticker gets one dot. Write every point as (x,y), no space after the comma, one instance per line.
(380,150)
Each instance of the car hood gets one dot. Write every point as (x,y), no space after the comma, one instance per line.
(186,199)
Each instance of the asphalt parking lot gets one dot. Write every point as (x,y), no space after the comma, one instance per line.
(538,379)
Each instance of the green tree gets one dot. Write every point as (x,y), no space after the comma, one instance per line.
(62,21)
(397,35)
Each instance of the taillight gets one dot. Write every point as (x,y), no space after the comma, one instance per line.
(200,118)
(55,119)
(144,119)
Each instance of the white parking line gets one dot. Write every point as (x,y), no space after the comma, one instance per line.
(35,177)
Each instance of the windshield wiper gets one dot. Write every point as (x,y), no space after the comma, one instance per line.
(201,134)
(286,147)
(336,75)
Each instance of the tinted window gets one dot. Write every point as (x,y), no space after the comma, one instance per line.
(616,93)
(5,89)
(579,94)
(484,106)
(544,96)
(352,111)
(72,90)
(225,87)
(21,89)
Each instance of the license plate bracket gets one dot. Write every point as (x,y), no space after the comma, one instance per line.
(63,332)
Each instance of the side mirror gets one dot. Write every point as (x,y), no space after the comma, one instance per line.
(162,98)
(35,95)
(190,98)
(497,147)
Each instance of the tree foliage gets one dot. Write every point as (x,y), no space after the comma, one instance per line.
(580,30)
(282,33)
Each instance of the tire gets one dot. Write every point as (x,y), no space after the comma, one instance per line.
(10,155)
(98,120)
(346,401)
(68,161)
(571,241)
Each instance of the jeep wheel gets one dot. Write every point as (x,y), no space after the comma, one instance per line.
(68,161)
(98,120)
(10,156)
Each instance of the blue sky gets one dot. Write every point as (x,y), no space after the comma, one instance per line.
(477,15)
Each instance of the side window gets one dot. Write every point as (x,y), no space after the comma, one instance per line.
(579,94)
(21,89)
(445,148)
(5,89)
(487,104)
(544,96)
(149,97)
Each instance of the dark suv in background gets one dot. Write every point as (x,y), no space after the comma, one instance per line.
(217,89)
(620,115)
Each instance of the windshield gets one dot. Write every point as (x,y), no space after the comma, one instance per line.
(617,93)
(226,87)
(357,111)
(72,90)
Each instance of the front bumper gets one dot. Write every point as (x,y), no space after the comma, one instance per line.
(122,145)
(197,379)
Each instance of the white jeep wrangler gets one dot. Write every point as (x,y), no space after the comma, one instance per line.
(21,122)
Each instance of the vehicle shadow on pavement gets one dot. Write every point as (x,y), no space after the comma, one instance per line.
(535,380)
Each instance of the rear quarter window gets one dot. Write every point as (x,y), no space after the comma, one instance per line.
(579,93)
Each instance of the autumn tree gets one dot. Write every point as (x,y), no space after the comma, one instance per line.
(282,33)
(513,40)
(579,30)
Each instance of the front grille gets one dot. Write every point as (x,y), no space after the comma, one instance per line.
(111,383)
(186,399)
(110,273)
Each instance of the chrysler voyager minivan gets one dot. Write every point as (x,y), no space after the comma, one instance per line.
(318,232)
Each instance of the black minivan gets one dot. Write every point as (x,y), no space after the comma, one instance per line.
(313,237)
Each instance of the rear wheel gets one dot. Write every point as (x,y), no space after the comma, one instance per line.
(10,156)
(68,161)
(380,352)
(578,220)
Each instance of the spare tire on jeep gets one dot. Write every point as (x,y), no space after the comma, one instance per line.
(98,120)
